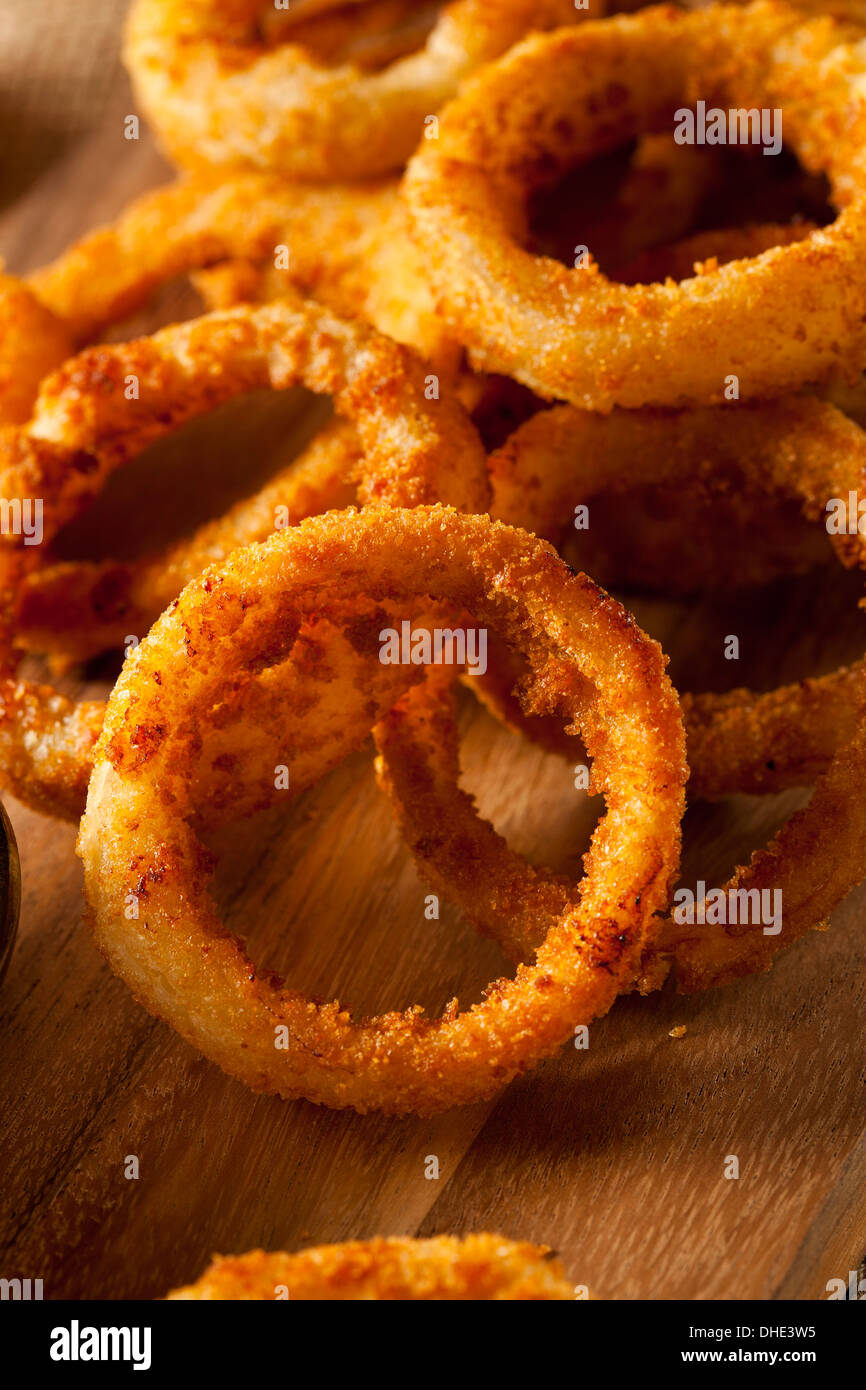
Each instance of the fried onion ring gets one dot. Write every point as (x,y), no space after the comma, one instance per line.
(112,272)
(374,269)
(815,859)
(479,1267)
(218,97)
(222,629)
(86,424)
(412,449)
(791,315)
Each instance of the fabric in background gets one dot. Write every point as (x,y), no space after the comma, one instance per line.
(60,77)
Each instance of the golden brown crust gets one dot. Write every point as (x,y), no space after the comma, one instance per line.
(458,853)
(704,252)
(77,609)
(108,403)
(479,1267)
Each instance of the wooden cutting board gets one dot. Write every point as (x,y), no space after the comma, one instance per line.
(615,1156)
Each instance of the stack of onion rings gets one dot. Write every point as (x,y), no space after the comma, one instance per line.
(285,632)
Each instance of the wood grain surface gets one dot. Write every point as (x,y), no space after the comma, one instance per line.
(615,1156)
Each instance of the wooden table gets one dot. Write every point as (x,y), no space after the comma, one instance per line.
(615,1156)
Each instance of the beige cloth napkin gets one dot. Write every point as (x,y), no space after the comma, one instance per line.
(60,76)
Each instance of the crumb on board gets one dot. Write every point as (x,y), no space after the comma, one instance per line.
(678,1032)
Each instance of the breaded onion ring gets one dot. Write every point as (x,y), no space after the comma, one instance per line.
(191,224)
(459,853)
(217,95)
(735,742)
(791,315)
(478,1267)
(86,423)
(815,860)
(412,449)
(224,628)
(329,692)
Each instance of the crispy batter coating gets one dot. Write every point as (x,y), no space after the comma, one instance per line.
(457,852)
(46,740)
(814,862)
(346,246)
(790,315)
(478,1267)
(331,689)
(326,695)
(815,859)
(738,742)
(218,95)
(113,271)
(351,248)
(701,254)
(724,539)
(178,958)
